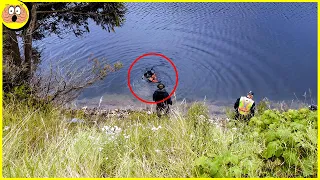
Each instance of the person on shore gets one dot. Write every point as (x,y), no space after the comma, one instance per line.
(159,95)
(150,75)
(245,107)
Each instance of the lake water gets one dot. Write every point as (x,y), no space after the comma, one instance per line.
(221,50)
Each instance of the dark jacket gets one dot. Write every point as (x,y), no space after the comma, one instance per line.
(159,95)
(236,105)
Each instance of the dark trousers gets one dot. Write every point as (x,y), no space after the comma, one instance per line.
(238,116)
(162,108)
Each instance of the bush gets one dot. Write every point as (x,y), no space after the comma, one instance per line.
(287,148)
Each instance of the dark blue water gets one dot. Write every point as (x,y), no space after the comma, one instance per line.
(221,50)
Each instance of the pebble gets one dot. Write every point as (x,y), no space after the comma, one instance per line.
(76,120)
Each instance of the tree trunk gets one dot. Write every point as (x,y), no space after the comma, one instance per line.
(28,40)
(28,53)
(11,50)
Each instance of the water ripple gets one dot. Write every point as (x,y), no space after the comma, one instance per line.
(221,50)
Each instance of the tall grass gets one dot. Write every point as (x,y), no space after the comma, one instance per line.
(41,142)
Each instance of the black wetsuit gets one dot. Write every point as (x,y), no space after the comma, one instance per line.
(148,74)
(159,95)
(236,105)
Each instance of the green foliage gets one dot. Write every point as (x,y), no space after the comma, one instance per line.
(272,144)
(198,116)
(262,106)
(196,110)
(288,144)
(230,113)
(19,93)
(23,95)
(76,16)
(56,18)
(274,148)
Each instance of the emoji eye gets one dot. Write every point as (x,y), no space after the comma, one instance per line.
(11,10)
(18,10)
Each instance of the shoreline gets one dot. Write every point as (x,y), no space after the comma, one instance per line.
(121,106)
(109,103)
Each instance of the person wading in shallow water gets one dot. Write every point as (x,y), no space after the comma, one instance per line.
(159,95)
(245,107)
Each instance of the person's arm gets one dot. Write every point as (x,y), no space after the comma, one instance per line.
(168,101)
(236,104)
(154,78)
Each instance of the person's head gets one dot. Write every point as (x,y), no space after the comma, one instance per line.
(161,86)
(250,94)
(313,107)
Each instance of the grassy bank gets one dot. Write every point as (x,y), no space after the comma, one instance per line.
(41,142)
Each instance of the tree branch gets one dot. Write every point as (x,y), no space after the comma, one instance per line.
(74,12)
(46,4)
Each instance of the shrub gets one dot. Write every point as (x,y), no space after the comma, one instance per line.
(288,148)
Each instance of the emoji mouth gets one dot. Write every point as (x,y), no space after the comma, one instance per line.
(14,18)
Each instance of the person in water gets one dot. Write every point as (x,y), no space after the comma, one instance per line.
(313,107)
(150,75)
(245,107)
(159,95)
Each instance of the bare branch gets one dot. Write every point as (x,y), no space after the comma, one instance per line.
(63,84)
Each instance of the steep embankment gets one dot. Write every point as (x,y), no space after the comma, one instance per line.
(42,142)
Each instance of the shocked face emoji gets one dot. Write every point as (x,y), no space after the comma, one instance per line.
(15,16)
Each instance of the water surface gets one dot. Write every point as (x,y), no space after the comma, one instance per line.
(221,50)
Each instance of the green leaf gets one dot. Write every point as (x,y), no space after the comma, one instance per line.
(279,151)
(298,137)
(201,161)
(270,136)
(272,147)
(274,125)
(267,112)
(233,159)
(260,124)
(297,126)
(236,171)
(253,121)
(291,157)
(214,167)
(308,166)
(312,136)
(267,120)
(221,173)
(246,165)
(304,111)
(284,134)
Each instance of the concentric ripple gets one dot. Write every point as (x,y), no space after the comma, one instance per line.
(221,50)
